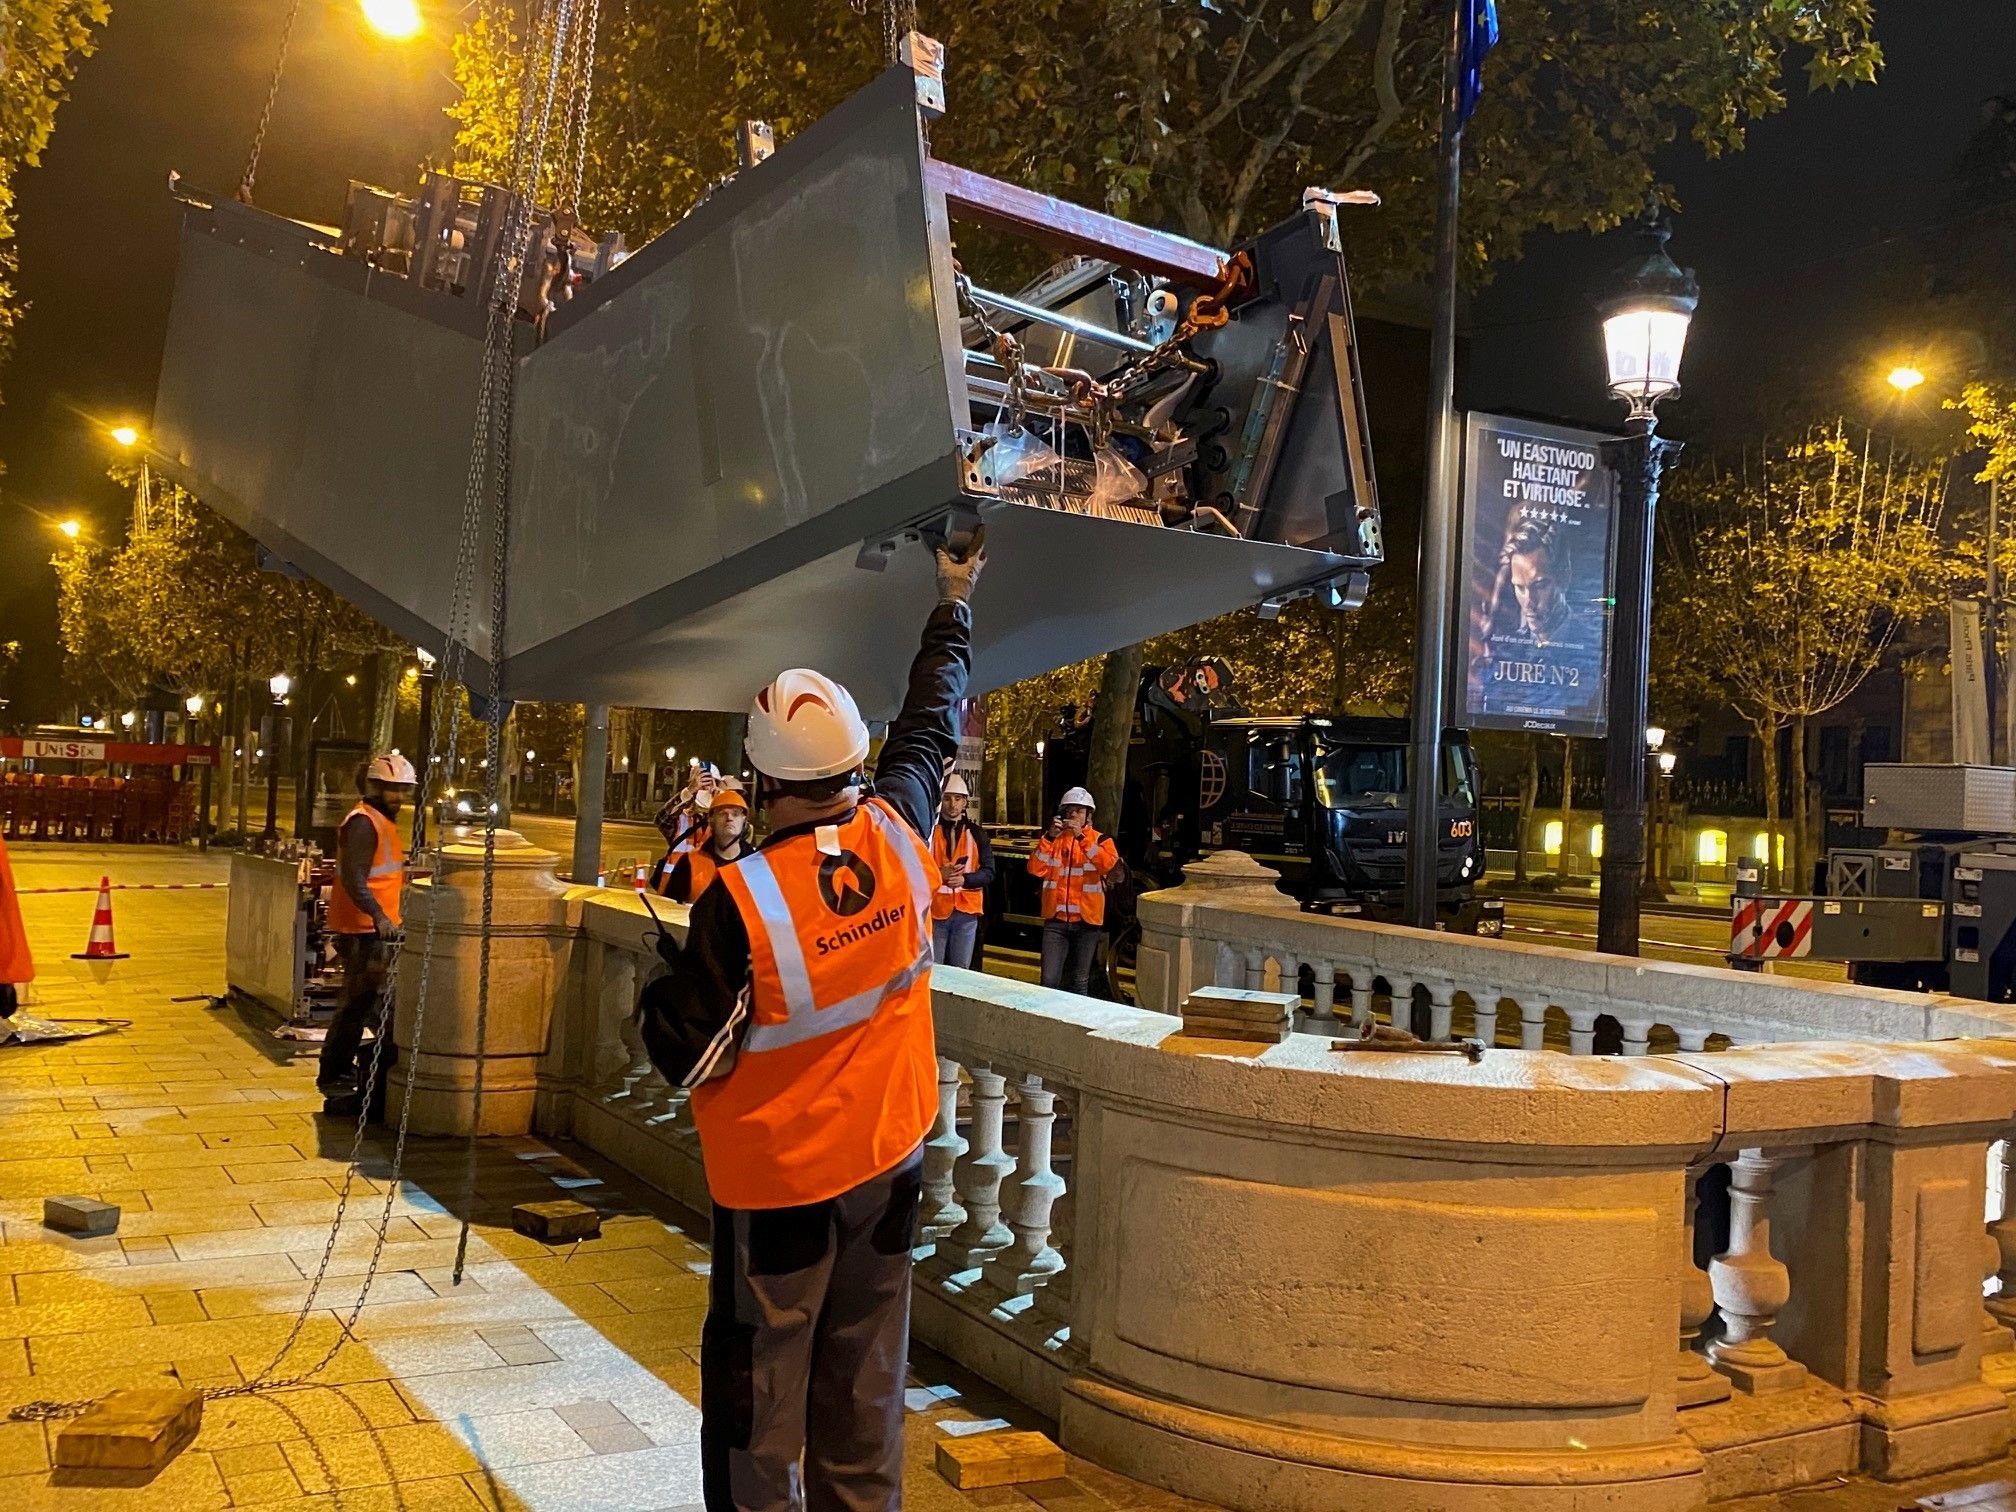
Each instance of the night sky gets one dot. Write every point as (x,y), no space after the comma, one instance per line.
(178,85)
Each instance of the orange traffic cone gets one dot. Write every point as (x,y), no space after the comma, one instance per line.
(100,947)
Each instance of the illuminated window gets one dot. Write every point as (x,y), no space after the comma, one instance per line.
(1595,842)
(1550,837)
(1712,848)
(1760,846)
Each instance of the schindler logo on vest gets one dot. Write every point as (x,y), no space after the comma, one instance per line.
(846,885)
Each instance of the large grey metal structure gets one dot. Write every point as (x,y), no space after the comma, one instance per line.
(735,447)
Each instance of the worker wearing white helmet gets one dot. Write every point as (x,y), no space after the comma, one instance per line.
(364,913)
(1073,861)
(965,866)
(799,1012)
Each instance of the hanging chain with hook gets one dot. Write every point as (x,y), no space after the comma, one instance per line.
(251,173)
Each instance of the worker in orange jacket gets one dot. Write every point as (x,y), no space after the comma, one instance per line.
(694,863)
(17,966)
(1073,861)
(965,863)
(364,916)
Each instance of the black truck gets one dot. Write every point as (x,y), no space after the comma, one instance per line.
(1320,798)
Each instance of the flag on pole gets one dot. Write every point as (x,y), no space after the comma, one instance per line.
(1480,35)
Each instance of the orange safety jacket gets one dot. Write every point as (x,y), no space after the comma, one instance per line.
(948,900)
(16,964)
(662,880)
(836,1080)
(702,867)
(1073,869)
(386,879)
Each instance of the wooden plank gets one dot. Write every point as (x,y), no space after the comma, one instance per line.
(1072,228)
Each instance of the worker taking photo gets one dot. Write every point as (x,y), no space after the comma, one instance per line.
(964,864)
(799,1013)
(692,865)
(1073,861)
(364,916)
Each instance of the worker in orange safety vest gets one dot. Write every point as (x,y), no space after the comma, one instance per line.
(691,867)
(965,863)
(798,1012)
(17,966)
(1073,861)
(365,917)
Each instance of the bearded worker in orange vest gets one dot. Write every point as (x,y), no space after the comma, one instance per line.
(799,1012)
(364,913)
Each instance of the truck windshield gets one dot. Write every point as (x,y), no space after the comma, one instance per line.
(1355,776)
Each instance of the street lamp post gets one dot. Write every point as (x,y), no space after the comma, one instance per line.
(277,684)
(1645,312)
(193,707)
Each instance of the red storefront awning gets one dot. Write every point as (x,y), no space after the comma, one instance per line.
(115,752)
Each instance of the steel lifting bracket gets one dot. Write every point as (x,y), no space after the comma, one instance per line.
(1346,590)
(953,530)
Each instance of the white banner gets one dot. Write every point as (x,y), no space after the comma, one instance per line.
(1970,686)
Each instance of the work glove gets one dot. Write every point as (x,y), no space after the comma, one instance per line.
(958,574)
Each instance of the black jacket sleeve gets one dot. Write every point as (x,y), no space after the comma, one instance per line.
(680,1013)
(924,737)
(982,875)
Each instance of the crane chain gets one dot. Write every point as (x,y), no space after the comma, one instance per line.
(251,173)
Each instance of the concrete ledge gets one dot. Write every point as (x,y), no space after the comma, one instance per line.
(1255,1467)
(1934,1431)
(1759,1445)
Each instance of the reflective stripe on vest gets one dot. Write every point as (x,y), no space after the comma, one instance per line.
(386,876)
(806,1017)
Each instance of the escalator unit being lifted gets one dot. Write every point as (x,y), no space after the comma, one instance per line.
(736,446)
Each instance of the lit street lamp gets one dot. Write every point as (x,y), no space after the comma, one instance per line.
(1646,312)
(72,528)
(125,435)
(1905,378)
(398,20)
(276,742)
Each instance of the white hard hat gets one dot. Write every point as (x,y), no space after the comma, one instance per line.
(805,726)
(955,786)
(392,768)
(1077,796)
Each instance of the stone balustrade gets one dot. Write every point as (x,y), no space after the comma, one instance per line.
(1229,926)
(1276,1277)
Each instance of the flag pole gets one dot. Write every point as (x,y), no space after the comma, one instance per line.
(1438,504)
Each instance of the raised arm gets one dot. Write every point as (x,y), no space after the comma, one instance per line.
(924,737)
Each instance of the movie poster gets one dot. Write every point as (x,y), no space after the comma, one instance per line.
(1539,505)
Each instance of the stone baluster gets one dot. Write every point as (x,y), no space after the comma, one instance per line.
(977,1176)
(2003,1232)
(1291,973)
(1400,1002)
(1361,996)
(1227,972)
(1029,1261)
(1256,970)
(1637,1035)
(1441,1005)
(1581,1027)
(941,1212)
(1052,1302)
(1698,1381)
(1692,1040)
(1750,1285)
(1323,993)
(614,1053)
(1533,1024)
(1484,1017)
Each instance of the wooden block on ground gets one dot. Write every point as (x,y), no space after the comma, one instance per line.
(79,1215)
(131,1430)
(999,1459)
(556,1222)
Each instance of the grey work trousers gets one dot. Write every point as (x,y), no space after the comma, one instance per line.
(805,1351)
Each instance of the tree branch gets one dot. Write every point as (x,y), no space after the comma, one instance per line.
(1385,88)
(1333,31)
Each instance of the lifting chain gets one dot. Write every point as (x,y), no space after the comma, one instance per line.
(486,489)
(251,173)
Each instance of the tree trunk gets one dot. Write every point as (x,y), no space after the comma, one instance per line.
(385,700)
(1567,800)
(227,741)
(1802,809)
(1112,727)
(637,791)
(245,744)
(507,769)
(1529,794)
(1000,814)
(1768,734)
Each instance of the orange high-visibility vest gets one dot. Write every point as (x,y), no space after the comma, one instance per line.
(836,1080)
(663,886)
(949,900)
(1073,869)
(701,870)
(386,879)
(16,964)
